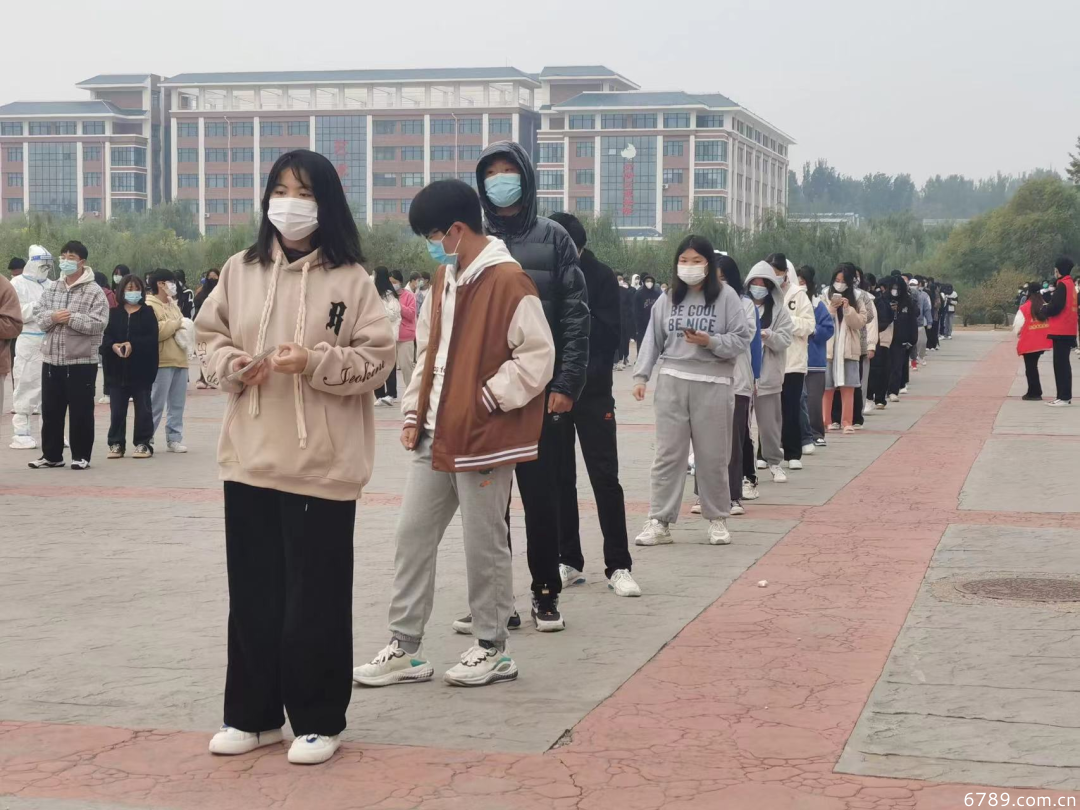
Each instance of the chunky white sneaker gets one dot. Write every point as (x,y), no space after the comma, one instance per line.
(623,584)
(737,509)
(834,426)
(23,443)
(904,390)
(1059,403)
(232,741)
(115,451)
(696,508)
(176,447)
(894,397)
(655,533)
(80,464)
(794,464)
(868,408)
(718,533)
(394,665)
(103,400)
(312,749)
(778,475)
(762,464)
(570,575)
(750,491)
(808,449)
(480,666)
(880,406)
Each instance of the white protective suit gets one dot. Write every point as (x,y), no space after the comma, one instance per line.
(26,372)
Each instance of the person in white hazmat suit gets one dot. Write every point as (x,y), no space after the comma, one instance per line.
(26,372)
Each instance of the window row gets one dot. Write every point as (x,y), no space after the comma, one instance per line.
(241,129)
(390,206)
(242,205)
(407,179)
(643,121)
(408,153)
(217,180)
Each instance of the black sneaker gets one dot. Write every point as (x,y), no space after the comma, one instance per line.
(80,464)
(44,464)
(1031,398)
(464,624)
(545,613)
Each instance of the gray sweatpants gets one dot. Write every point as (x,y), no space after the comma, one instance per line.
(770,421)
(698,413)
(815,391)
(431,498)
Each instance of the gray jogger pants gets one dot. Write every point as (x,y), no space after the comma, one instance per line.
(769,424)
(431,498)
(688,412)
(815,391)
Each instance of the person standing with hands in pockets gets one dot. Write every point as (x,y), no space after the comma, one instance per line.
(296,450)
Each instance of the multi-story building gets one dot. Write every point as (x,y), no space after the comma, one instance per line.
(208,140)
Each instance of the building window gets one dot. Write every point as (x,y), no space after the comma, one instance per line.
(91,154)
(14,154)
(710,121)
(412,153)
(217,155)
(270,129)
(412,126)
(710,151)
(243,154)
(442,126)
(549,180)
(711,205)
(549,205)
(343,139)
(628,121)
(500,125)
(469,152)
(244,205)
(582,122)
(628,179)
(383,179)
(585,177)
(405,206)
(297,128)
(14,179)
(243,181)
(187,180)
(91,205)
(243,129)
(384,206)
(383,153)
(674,148)
(128,181)
(384,127)
(441,176)
(11,128)
(93,128)
(710,178)
(673,176)
(673,203)
(187,129)
(468,178)
(53,127)
(412,179)
(549,153)
(216,129)
(185,156)
(217,181)
(217,206)
(585,149)
(442,153)
(91,179)
(470,126)
(129,156)
(15,204)
(584,203)
(270,154)
(676,120)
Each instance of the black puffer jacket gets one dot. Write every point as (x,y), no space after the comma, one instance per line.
(547,253)
(606,330)
(141,331)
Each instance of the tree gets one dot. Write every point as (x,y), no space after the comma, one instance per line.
(1073,171)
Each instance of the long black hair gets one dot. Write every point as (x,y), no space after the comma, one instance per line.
(1034,294)
(382,282)
(336,235)
(711,287)
(730,271)
(848,271)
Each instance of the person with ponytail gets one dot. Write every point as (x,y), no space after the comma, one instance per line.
(842,370)
(1032,339)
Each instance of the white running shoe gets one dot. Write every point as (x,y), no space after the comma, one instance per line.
(868,408)
(103,400)
(570,575)
(904,390)
(794,464)
(655,533)
(480,666)
(749,491)
(737,509)
(23,443)
(880,406)
(176,447)
(696,508)
(834,426)
(1059,403)
(894,397)
(394,665)
(718,533)
(232,741)
(313,749)
(762,464)
(623,584)
(808,449)
(778,474)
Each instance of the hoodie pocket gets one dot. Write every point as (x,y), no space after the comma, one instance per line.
(78,346)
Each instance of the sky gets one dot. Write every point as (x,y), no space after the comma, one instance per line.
(925,87)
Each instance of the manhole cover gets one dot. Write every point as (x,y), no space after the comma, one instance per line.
(1027,589)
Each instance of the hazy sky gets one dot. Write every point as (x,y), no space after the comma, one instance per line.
(919,86)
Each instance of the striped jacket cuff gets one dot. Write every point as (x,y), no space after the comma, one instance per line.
(410,420)
(489,399)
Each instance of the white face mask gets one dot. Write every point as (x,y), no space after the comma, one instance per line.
(691,274)
(895,293)
(648,285)
(758,292)
(170,289)
(840,286)
(293,217)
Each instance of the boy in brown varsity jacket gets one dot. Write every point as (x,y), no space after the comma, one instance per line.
(472,411)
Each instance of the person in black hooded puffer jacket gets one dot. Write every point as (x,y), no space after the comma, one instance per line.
(506,182)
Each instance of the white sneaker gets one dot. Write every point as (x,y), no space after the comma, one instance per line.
(480,666)
(232,741)
(1060,403)
(394,665)
(778,475)
(570,575)
(718,533)
(696,508)
(904,390)
(311,749)
(808,449)
(794,464)
(176,447)
(762,464)
(834,426)
(737,509)
(23,443)
(868,408)
(880,406)
(749,491)
(894,397)
(103,400)
(623,584)
(655,533)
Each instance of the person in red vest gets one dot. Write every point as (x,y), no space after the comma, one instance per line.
(1033,338)
(1061,317)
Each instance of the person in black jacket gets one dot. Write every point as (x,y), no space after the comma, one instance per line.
(507,184)
(643,302)
(905,318)
(129,356)
(594,417)
(628,328)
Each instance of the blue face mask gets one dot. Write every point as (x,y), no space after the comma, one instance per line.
(68,267)
(437,251)
(503,189)
(132,296)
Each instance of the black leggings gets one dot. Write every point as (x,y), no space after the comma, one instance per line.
(791,411)
(389,388)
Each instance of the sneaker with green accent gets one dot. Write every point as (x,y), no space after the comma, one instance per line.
(394,665)
(481,666)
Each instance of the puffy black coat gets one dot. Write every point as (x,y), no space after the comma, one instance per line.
(606,331)
(547,253)
(141,330)
(643,303)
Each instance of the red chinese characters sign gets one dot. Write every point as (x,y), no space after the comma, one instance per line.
(628,188)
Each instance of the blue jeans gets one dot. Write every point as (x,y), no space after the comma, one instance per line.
(170,388)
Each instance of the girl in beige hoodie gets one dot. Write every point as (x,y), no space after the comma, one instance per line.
(297,447)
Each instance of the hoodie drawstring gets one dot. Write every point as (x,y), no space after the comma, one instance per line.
(298,338)
(268,306)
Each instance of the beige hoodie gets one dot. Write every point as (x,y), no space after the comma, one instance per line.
(312,433)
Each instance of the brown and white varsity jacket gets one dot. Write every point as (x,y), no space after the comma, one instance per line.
(486,355)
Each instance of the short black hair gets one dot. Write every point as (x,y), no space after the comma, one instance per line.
(414,276)
(1064,265)
(131,278)
(16,264)
(777,260)
(157,277)
(573,227)
(442,203)
(397,276)
(424,274)
(76,247)
(704,248)
(123,268)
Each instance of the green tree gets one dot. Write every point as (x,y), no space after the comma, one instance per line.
(1073,170)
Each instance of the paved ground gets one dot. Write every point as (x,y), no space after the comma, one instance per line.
(708,692)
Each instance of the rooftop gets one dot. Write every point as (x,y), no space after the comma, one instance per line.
(675,98)
(583,72)
(335,76)
(116,79)
(96,107)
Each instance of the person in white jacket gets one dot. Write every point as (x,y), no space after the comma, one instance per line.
(26,373)
(763,287)
(803,322)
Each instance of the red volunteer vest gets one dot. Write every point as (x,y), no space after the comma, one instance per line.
(1064,323)
(1034,335)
